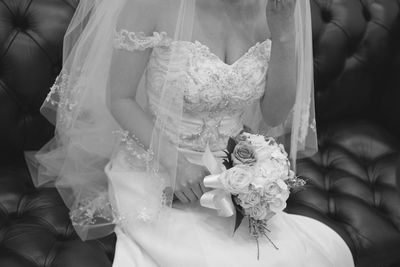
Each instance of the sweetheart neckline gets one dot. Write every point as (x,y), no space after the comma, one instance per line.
(199,43)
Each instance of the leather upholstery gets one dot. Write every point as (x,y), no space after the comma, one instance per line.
(34,226)
(351,181)
(354,54)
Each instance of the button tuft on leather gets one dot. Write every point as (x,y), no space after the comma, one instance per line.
(366,13)
(326,15)
(20,22)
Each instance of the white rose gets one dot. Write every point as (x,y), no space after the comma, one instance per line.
(250,199)
(263,153)
(257,140)
(277,204)
(237,179)
(274,169)
(268,173)
(259,170)
(278,153)
(282,185)
(272,188)
(259,212)
(260,139)
(260,177)
(277,187)
(285,194)
(268,166)
(259,183)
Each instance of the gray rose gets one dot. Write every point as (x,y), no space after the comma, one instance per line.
(243,154)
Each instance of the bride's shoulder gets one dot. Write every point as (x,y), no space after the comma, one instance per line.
(262,28)
(168,13)
(144,9)
(151,15)
(152,7)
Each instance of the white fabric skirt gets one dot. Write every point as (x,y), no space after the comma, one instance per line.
(195,236)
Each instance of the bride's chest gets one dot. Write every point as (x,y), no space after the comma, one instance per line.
(203,80)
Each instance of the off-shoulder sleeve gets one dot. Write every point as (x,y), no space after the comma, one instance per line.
(131,41)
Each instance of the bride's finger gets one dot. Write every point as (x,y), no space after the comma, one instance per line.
(189,194)
(280,2)
(182,198)
(283,3)
(196,189)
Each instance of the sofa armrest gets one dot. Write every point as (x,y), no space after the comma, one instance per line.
(352,188)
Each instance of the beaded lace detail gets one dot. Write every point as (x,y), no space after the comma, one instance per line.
(224,87)
(215,94)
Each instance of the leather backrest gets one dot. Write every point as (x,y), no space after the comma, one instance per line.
(31,36)
(356,59)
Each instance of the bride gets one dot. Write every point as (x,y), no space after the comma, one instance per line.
(146,87)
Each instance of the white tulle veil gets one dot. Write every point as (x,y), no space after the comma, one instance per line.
(87,136)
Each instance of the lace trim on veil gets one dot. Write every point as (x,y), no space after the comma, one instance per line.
(132,41)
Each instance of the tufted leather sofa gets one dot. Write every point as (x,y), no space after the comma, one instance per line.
(351,181)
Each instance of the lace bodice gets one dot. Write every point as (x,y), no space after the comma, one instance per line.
(215,94)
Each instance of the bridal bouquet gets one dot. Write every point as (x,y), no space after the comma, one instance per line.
(255,182)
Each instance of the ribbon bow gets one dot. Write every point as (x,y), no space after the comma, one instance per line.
(218,199)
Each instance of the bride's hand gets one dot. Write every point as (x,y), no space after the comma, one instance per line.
(189,185)
(280,18)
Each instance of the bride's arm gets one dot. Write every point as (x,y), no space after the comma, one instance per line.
(127,68)
(133,44)
(134,119)
(126,111)
(280,91)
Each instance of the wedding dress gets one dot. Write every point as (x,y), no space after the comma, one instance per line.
(195,100)
(215,97)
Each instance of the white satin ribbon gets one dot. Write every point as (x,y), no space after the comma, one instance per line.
(218,198)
